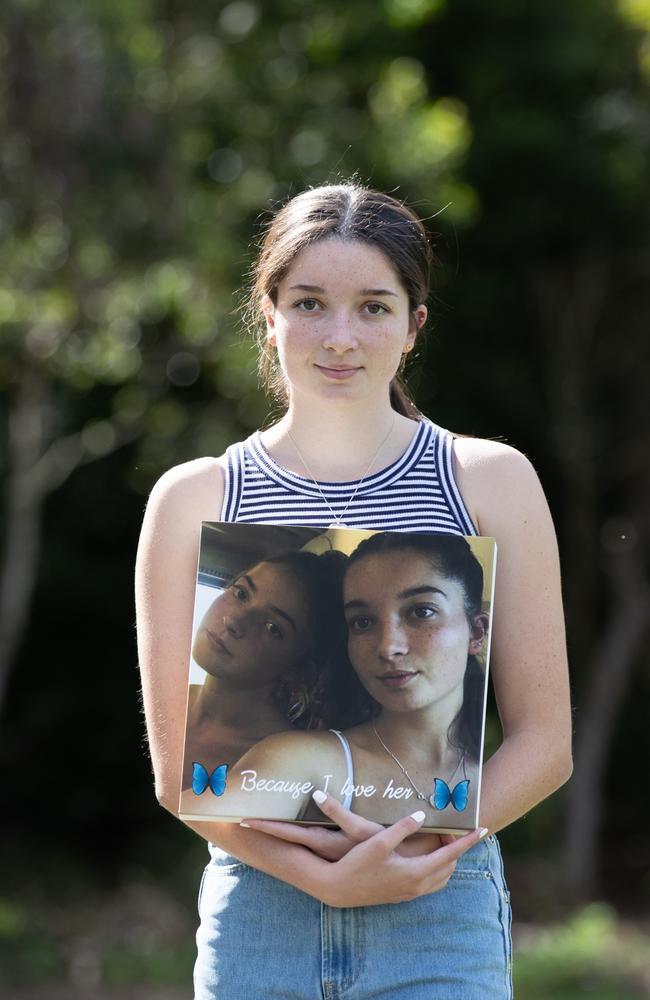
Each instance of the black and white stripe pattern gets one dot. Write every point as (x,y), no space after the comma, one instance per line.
(418,492)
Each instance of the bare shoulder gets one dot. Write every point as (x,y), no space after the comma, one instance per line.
(298,740)
(499,485)
(301,747)
(195,487)
(481,461)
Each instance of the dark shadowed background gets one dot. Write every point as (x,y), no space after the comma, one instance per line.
(142,144)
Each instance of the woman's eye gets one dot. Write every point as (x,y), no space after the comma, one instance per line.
(308,305)
(273,630)
(240,593)
(376,308)
(423,612)
(360,624)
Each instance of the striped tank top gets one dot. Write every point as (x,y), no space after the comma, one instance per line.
(418,492)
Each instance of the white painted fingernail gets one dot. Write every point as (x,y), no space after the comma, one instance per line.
(246,825)
(319,797)
(418,816)
(484,832)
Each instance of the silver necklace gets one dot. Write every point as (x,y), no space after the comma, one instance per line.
(339,522)
(428,798)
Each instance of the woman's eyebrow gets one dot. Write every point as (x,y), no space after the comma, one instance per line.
(378,291)
(409,592)
(362,291)
(355,604)
(413,591)
(272,607)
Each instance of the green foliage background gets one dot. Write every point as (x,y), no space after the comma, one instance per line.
(143,143)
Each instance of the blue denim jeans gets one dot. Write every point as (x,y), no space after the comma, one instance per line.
(261,939)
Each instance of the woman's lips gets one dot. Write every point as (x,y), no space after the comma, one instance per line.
(339,374)
(216,641)
(397,679)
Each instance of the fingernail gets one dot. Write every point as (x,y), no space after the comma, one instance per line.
(484,832)
(246,825)
(418,816)
(319,797)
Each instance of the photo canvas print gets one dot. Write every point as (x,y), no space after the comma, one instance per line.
(345,660)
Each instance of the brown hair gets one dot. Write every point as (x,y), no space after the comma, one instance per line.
(350,212)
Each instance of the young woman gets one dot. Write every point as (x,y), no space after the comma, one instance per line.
(262,643)
(340,293)
(415,628)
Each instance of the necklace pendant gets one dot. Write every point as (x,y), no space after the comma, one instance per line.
(337,524)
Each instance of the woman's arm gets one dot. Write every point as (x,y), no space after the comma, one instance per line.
(528,660)
(165,584)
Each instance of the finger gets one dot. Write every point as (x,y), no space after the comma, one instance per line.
(355,826)
(331,845)
(308,835)
(458,846)
(389,839)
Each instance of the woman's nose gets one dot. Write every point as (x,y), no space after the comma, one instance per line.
(392,641)
(235,625)
(340,334)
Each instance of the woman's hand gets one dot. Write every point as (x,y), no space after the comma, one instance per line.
(332,845)
(371,870)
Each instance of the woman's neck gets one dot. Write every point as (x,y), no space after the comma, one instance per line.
(423,732)
(345,443)
(233,707)
(425,755)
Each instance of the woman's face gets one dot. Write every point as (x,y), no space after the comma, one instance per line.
(254,630)
(341,321)
(408,633)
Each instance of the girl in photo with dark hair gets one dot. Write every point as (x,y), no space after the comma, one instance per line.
(338,302)
(262,644)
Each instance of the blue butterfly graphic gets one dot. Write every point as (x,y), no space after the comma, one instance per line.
(443,795)
(202,780)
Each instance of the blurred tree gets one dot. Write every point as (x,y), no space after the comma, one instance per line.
(100,286)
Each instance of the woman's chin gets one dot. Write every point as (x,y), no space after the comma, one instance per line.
(398,702)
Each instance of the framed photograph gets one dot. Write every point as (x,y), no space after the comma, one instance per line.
(355,662)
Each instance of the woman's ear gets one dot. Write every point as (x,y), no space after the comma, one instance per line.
(268,309)
(417,321)
(478,633)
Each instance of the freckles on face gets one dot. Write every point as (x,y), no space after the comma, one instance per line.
(408,633)
(341,319)
(256,629)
